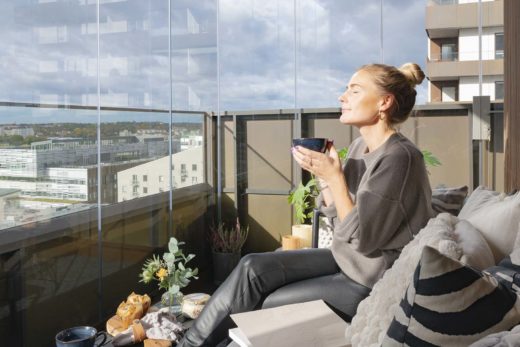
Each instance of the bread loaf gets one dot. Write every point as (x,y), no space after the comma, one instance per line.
(144,300)
(128,312)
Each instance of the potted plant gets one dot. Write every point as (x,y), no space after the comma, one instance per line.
(226,246)
(171,273)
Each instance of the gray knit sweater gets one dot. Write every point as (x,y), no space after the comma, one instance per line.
(392,197)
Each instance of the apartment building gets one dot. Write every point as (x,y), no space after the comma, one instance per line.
(65,169)
(453,49)
(152,177)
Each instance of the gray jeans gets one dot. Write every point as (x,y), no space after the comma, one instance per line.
(272,279)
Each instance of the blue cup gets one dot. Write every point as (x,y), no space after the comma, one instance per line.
(80,337)
(317,144)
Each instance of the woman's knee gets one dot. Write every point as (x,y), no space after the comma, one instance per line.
(256,263)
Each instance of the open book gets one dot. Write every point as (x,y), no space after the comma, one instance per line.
(311,323)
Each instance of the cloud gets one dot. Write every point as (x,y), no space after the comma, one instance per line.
(260,56)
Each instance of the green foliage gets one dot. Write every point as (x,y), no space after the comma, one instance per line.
(170,271)
(228,240)
(343,153)
(302,198)
(430,159)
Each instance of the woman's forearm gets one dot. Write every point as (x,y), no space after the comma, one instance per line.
(337,191)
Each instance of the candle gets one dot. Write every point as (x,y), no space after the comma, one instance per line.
(304,232)
(290,242)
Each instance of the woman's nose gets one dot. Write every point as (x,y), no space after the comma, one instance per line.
(342,98)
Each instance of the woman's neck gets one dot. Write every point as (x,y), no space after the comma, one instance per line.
(376,135)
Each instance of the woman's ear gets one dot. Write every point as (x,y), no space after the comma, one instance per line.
(387,101)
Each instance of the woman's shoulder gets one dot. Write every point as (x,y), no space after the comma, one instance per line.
(404,148)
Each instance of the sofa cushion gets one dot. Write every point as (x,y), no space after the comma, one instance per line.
(450,304)
(449,200)
(443,232)
(496,216)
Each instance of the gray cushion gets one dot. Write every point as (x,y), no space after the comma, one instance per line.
(449,199)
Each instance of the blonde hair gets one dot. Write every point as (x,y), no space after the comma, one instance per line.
(400,82)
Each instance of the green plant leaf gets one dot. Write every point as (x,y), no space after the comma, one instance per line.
(169,258)
(430,160)
(174,289)
(343,153)
(173,245)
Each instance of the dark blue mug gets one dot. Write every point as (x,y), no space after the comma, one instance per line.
(79,337)
(317,144)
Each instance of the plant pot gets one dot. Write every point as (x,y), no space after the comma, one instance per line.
(304,232)
(223,264)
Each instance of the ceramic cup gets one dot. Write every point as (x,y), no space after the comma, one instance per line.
(317,144)
(80,337)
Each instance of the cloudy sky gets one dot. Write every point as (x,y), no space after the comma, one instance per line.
(273,53)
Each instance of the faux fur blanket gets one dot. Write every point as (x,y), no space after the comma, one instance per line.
(375,313)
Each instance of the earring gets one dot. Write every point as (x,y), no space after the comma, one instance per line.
(381,115)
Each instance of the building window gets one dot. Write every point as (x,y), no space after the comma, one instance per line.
(145,190)
(448,94)
(499,46)
(134,190)
(194,167)
(193,180)
(161,179)
(499,90)
(183,179)
(145,178)
(449,52)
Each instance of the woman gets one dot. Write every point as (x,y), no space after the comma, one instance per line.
(377,202)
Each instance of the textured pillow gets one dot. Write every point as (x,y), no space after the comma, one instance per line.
(450,304)
(375,313)
(496,216)
(449,200)
(326,232)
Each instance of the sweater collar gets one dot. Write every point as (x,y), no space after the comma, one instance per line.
(371,157)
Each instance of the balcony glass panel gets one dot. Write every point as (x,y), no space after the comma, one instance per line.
(256,54)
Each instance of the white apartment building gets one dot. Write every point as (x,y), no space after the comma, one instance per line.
(453,50)
(11,130)
(153,177)
(67,170)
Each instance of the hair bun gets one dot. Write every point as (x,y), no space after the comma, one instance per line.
(413,73)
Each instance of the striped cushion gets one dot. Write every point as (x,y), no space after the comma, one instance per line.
(508,271)
(449,199)
(449,304)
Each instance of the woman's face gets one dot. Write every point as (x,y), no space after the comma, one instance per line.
(361,101)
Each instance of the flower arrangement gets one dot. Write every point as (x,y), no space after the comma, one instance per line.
(170,271)
(228,240)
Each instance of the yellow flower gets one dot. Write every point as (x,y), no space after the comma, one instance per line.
(162,273)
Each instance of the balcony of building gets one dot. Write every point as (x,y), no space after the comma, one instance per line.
(448,18)
(444,69)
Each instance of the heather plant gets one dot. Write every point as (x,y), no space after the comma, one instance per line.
(228,239)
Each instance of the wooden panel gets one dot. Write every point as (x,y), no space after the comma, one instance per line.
(512,94)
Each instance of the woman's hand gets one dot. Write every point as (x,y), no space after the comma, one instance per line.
(326,166)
